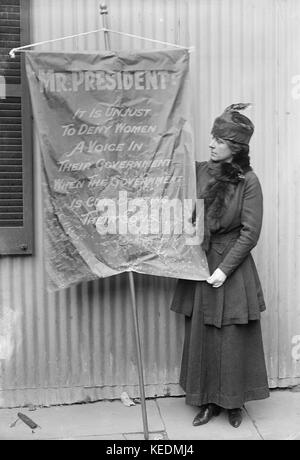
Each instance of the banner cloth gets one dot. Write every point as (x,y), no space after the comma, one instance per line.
(118,164)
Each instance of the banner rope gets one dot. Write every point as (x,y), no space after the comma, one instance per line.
(103,29)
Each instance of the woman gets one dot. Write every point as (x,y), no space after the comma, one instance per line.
(223,363)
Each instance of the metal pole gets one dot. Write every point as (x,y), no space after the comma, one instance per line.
(139,355)
(104,13)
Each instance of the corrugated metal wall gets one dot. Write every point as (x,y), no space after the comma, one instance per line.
(289,183)
(77,344)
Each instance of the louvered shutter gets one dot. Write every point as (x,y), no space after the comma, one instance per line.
(15,133)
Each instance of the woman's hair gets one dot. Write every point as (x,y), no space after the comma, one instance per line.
(240,154)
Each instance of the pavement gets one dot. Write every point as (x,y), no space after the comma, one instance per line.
(275,418)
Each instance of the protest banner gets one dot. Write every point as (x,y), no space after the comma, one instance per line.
(118,162)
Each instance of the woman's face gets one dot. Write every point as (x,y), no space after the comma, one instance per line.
(219,150)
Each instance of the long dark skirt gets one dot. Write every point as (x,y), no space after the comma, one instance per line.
(224,366)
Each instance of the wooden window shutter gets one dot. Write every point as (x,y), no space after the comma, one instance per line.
(16,228)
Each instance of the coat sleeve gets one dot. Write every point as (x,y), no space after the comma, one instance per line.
(251,222)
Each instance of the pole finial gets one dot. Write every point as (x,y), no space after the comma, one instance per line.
(103,8)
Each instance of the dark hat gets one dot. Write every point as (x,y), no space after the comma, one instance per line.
(233,126)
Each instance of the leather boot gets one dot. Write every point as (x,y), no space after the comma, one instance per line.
(235,417)
(207,411)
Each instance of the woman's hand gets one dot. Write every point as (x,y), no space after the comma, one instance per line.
(217,278)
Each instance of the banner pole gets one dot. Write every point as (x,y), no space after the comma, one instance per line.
(104,14)
(139,355)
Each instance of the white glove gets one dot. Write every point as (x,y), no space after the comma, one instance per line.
(217,278)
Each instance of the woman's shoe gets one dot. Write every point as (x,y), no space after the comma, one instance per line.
(235,417)
(207,411)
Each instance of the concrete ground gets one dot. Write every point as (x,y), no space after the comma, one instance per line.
(276,418)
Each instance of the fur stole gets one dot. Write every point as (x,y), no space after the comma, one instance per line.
(218,194)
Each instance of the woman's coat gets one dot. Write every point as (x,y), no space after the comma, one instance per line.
(240,299)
